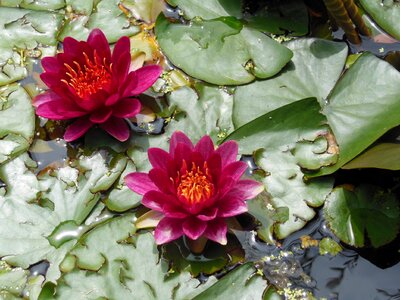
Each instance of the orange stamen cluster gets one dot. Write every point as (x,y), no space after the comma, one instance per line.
(195,185)
(89,78)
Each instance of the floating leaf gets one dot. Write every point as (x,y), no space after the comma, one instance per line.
(287,188)
(146,10)
(25,34)
(382,156)
(210,9)
(110,264)
(221,51)
(288,135)
(362,107)
(365,210)
(35,5)
(12,281)
(32,208)
(241,282)
(315,67)
(103,14)
(263,210)
(15,136)
(329,246)
(386,13)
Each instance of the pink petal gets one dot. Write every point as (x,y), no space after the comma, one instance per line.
(194,228)
(47,96)
(234,170)
(140,183)
(101,115)
(228,152)
(214,165)
(121,67)
(205,147)
(158,158)
(208,215)
(50,64)
(111,100)
(216,231)
(127,108)
(71,46)
(77,129)
(248,188)
(93,101)
(176,138)
(167,230)
(51,79)
(154,200)
(183,152)
(174,211)
(162,180)
(229,207)
(141,79)
(122,46)
(97,40)
(117,127)
(58,110)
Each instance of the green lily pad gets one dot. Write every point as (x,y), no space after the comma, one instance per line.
(284,182)
(366,210)
(263,210)
(25,34)
(329,246)
(108,263)
(221,51)
(210,9)
(121,198)
(362,107)
(382,156)
(35,5)
(241,282)
(12,281)
(386,13)
(146,10)
(287,136)
(103,14)
(315,67)
(15,136)
(32,208)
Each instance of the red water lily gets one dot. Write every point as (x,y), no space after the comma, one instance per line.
(90,85)
(194,188)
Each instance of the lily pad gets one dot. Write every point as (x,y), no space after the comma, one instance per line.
(386,13)
(287,136)
(24,34)
(35,5)
(103,14)
(108,263)
(15,136)
(382,156)
(284,182)
(210,9)
(146,10)
(329,246)
(221,51)
(33,208)
(241,282)
(366,210)
(362,107)
(315,67)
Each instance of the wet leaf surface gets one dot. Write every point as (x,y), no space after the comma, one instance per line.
(221,51)
(365,210)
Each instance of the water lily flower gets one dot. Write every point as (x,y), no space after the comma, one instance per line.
(194,188)
(89,84)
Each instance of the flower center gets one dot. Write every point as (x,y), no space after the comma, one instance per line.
(90,78)
(195,185)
